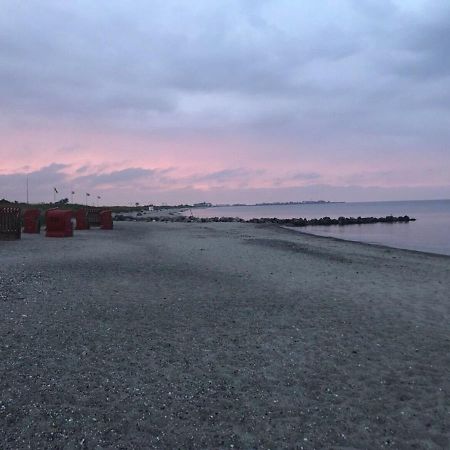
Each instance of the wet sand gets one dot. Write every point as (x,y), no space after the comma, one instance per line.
(224,335)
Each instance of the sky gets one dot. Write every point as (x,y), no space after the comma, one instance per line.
(225,101)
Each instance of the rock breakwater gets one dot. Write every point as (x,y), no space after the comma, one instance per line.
(294,222)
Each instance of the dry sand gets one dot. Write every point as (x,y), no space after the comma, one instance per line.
(221,335)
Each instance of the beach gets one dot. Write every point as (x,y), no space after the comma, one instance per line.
(222,335)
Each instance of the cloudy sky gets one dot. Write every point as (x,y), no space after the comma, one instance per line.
(225,100)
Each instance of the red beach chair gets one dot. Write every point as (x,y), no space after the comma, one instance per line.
(59,223)
(81,216)
(32,221)
(106,222)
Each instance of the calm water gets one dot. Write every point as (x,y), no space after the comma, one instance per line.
(430,233)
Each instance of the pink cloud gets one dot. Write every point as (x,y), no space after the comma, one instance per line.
(126,165)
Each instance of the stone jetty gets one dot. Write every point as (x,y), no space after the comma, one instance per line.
(294,222)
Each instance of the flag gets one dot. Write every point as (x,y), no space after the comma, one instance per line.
(98,196)
(56,191)
(73,192)
(88,195)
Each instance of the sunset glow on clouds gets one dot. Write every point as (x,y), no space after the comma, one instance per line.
(225,101)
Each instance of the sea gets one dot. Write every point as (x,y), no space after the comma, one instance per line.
(429,233)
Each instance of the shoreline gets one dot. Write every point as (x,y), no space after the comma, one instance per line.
(163,216)
(370,244)
(429,234)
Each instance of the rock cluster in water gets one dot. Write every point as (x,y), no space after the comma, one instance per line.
(294,222)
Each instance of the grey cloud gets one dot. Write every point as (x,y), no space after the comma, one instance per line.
(224,176)
(81,60)
(412,177)
(41,183)
(374,8)
(305,176)
(423,46)
(49,174)
(117,177)
(82,169)
(130,177)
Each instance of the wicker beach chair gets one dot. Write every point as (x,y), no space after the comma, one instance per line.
(10,223)
(93,216)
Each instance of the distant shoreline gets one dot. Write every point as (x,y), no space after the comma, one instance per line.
(318,202)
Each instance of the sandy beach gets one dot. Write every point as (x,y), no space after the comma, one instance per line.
(223,335)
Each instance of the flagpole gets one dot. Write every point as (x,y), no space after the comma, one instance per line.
(27,189)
